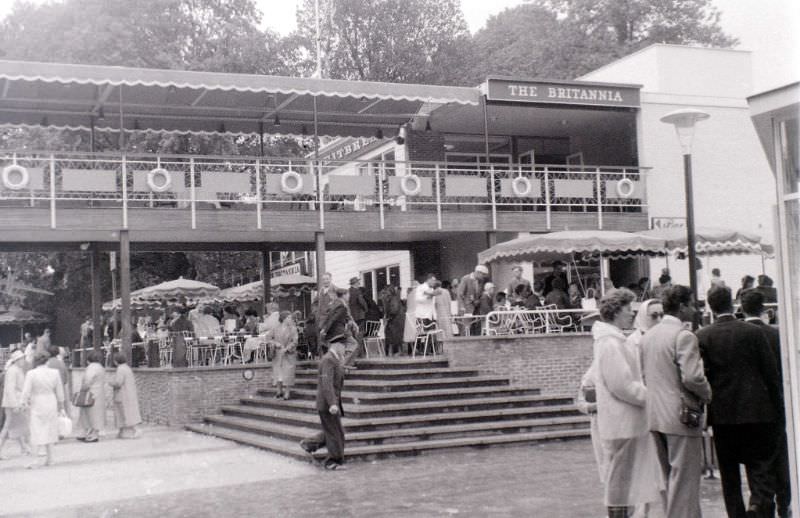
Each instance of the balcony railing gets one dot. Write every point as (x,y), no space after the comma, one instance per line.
(197,183)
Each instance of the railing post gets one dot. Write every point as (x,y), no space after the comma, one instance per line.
(438,199)
(547,197)
(381,172)
(258,196)
(192,193)
(599,201)
(124,192)
(494,201)
(52,191)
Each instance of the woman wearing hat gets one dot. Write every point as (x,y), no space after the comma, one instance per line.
(16,423)
(45,395)
(285,362)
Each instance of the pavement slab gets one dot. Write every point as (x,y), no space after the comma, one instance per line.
(178,474)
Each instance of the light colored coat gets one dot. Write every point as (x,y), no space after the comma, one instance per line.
(285,361)
(126,401)
(94,417)
(621,394)
(44,391)
(468,292)
(13,385)
(672,365)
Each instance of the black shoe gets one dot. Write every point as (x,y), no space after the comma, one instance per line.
(334,466)
(307,447)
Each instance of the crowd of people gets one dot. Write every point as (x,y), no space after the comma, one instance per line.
(36,400)
(647,391)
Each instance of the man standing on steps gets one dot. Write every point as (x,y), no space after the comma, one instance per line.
(329,407)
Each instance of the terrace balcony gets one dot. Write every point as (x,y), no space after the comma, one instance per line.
(82,197)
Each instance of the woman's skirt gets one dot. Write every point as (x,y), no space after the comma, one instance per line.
(633,473)
(16,423)
(283,368)
(44,420)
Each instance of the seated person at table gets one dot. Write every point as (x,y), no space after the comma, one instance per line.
(251,321)
(528,299)
(230,318)
(486,301)
(574,294)
(501,302)
(271,319)
(557,295)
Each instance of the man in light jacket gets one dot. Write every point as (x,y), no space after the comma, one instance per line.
(674,372)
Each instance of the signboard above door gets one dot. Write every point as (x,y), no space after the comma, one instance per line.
(568,92)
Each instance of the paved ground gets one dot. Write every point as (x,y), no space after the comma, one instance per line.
(176,473)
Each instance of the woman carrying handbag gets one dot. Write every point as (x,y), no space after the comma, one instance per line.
(92,418)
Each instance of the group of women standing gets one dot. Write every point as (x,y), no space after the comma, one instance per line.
(613,393)
(34,401)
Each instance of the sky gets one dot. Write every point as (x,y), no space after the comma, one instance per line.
(768,28)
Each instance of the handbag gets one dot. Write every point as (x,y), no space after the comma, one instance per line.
(83,398)
(691,413)
(64,425)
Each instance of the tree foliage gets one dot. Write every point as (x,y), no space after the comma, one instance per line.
(564,39)
(383,40)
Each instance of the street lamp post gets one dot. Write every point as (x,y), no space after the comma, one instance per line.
(684,122)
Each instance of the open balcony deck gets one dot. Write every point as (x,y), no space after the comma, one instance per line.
(82,197)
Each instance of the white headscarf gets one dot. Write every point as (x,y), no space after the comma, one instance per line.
(643,322)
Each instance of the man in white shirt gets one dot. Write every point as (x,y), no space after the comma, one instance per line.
(425,309)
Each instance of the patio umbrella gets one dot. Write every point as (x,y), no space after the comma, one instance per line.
(179,289)
(284,286)
(543,247)
(712,241)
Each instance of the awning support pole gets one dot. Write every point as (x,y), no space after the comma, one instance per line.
(258,194)
(381,175)
(266,274)
(192,193)
(599,201)
(125,290)
(547,197)
(319,239)
(94,266)
(318,168)
(52,191)
(438,199)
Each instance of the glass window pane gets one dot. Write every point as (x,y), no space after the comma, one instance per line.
(381,279)
(366,281)
(394,276)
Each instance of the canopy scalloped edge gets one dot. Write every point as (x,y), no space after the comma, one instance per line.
(528,252)
(203,133)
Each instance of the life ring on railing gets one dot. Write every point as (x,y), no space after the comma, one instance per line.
(291,182)
(521,186)
(625,188)
(157,185)
(411,191)
(15,169)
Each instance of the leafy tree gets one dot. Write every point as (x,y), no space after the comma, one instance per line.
(383,40)
(564,39)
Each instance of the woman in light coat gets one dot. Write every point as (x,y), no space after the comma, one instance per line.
(44,394)
(92,419)
(126,401)
(283,366)
(16,423)
(633,474)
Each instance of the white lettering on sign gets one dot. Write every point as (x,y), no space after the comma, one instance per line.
(584,94)
(292,269)
(664,223)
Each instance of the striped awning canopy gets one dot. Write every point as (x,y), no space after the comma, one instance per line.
(609,243)
(712,241)
(60,95)
(19,317)
(284,286)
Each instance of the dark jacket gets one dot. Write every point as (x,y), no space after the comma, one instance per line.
(330,383)
(557,297)
(358,304)
(334,322)
(774,340)
(742,371)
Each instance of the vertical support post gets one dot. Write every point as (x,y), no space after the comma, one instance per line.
(318,166)
(547,198)
(125,290)
(258,193)
(94,266)
(124,192)
(381,174)
(602,276)
(266,276)
(438,187)
(599,200)
(192,193)
(319,241)
(491,239)
(494,197)
(52,191)
(690,237)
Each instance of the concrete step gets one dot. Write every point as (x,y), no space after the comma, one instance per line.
(297,433)
(395,374)
(375,398)
(415,408)
(367,452)
(416,384)
(438,362)
(353,424)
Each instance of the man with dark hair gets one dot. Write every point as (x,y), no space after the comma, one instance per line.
(746,410)
(516,282)
(753,309)
(557,273)
(358,304)
(766,289)
(664,283)
(674,374)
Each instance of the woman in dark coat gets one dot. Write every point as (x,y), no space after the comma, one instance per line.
(394,319)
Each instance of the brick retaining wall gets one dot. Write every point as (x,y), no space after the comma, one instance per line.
(552,363)
(179,396)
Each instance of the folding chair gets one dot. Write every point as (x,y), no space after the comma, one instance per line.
(373,342)
(427,337)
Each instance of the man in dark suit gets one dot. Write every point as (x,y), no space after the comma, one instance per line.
(753,309)
(358,304)
(766,288)
(329,407)
(745,411)
(325,297)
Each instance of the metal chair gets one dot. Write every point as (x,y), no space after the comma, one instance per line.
(427,336)
(373,342)
(165,351)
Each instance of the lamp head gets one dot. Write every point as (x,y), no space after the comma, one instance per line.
(684,121)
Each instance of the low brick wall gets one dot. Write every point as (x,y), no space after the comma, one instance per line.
(179,396)
(552,363)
